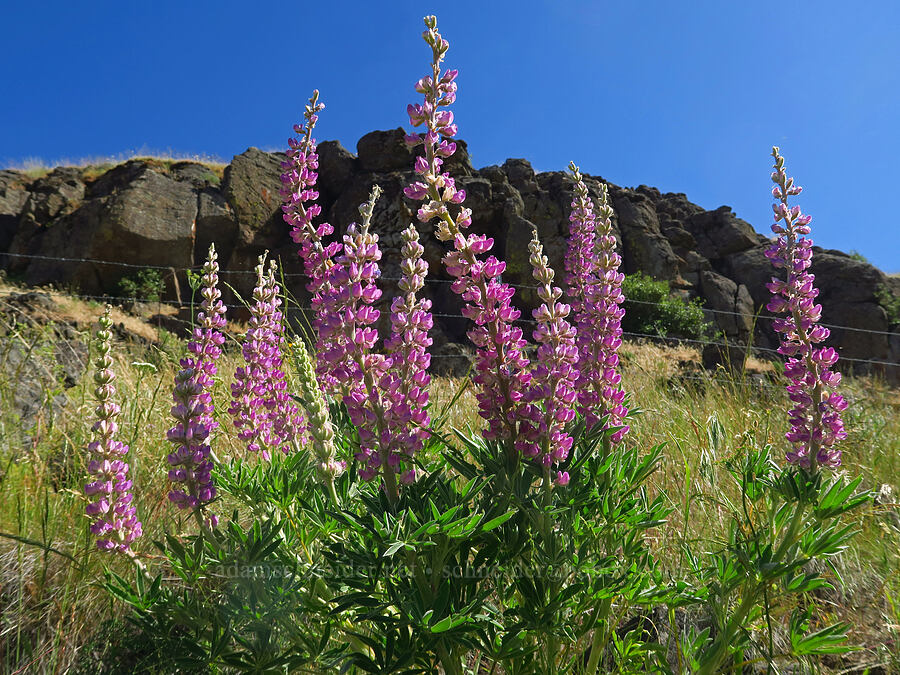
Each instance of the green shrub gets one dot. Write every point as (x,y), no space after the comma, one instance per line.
(890,301)
(651,309)
(146,285)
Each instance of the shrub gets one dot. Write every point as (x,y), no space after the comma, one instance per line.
(651,309)
(890,301)
(146,285)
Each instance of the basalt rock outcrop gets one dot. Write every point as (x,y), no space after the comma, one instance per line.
(146,212)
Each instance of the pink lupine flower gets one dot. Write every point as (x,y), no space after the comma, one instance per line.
(552,392)
(350,333)
(190,460)
(298,190)
(405,385)
(501,366)
(595,287)
(262,410)
(115,522)
(815,419)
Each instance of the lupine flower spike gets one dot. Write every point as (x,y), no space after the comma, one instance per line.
(350,333)
(405,385)
(552,391)
(321,429)
(190,461)
(595,287)
(501,369)
(111,509)
(815,419)
(299,196)
(264,414)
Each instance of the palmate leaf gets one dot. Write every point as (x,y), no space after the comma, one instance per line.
(839,499)
(829,640)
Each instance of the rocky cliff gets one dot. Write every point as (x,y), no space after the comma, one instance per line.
(148,212)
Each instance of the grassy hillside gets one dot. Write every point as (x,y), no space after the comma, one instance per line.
(53,617)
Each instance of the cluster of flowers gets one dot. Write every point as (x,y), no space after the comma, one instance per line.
(502,369)
(263,412)
(115,522)
(815,419)
(595,287)
(527,406)
(191,472)
(385,393)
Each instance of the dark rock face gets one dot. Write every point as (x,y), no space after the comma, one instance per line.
(142,213)
(148,220)
(384,151)
(44,360)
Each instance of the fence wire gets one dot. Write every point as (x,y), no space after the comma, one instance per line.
(436,280)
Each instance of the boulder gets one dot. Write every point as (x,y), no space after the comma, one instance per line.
(729,308)
(215,223)
(13,195)
(644,248)
(384,151)
(252,186)
(58,193)
(336,164)
(720,233)
(197,174)
(148,220)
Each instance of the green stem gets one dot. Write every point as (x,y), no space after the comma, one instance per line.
(791,537)
(596,647)
(329,483)
(450,662)
(719,650)
(141,568)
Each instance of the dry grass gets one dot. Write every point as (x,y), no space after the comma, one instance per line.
(51,611)
(94,167)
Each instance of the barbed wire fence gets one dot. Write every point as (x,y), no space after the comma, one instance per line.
(174,271)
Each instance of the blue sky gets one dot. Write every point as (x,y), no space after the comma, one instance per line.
(685,96)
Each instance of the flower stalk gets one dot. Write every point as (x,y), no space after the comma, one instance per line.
(595,288)
(191,461)
(815,419)
(501,367)
(111,508)
(262,410)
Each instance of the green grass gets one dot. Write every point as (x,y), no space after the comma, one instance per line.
(54,618)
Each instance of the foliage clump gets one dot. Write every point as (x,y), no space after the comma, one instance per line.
(652,309)
(146,286)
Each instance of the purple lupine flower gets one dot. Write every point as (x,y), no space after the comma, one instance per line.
(262,410)
(405,385)
(190,460)
(350,335)
(815,419)
(501,367)
(112,511)
(552,391)
(595,287)
(298,189)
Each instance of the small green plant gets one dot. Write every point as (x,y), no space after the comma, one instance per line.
(650,308)
(146,285)
(857,256)
(890,301)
